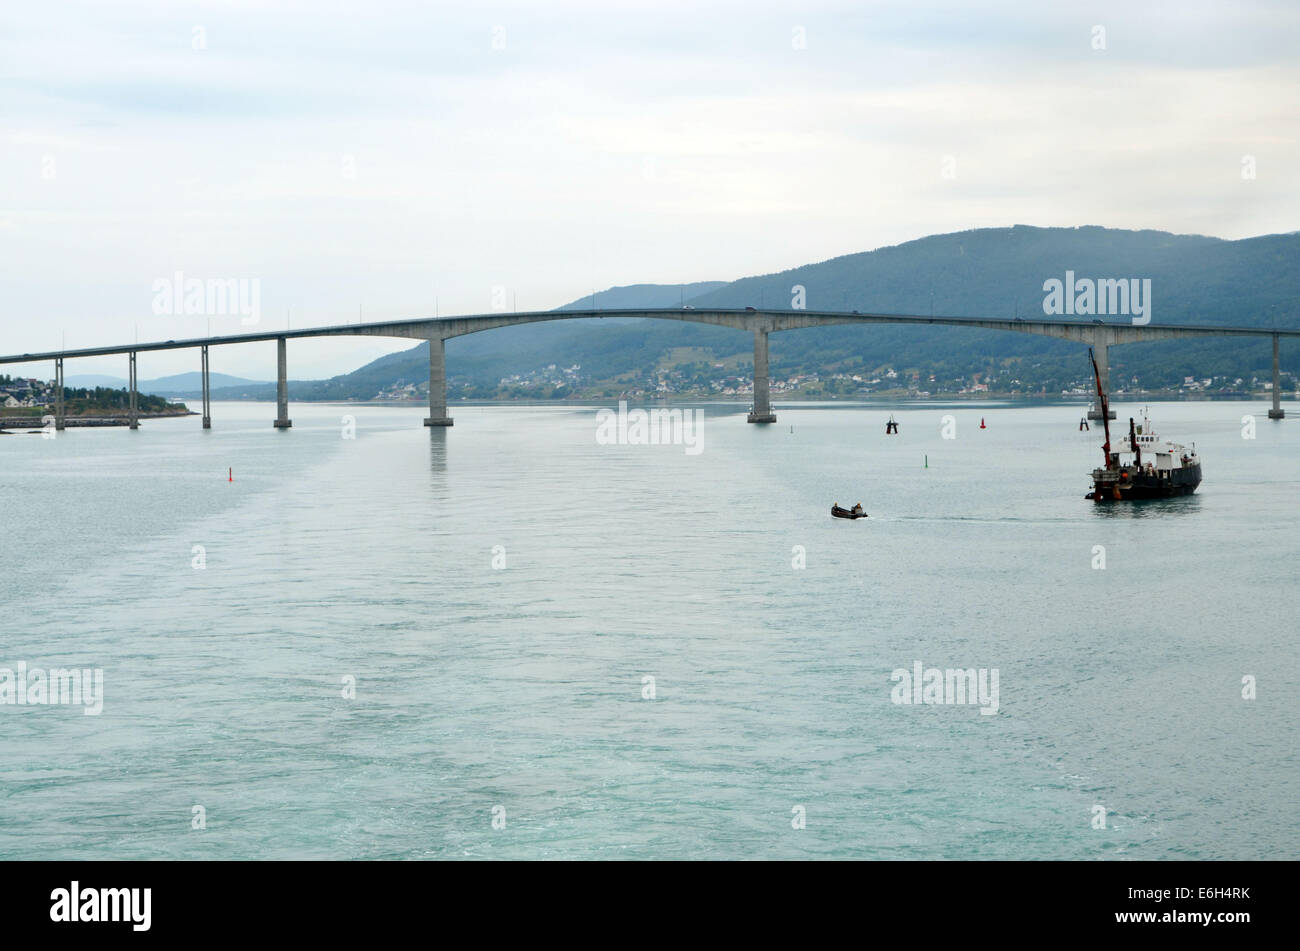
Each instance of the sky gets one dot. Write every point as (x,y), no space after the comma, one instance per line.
(397,160)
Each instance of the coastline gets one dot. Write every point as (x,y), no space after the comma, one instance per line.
(744,399)
(35,424)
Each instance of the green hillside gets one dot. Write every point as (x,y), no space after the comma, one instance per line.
(987,272)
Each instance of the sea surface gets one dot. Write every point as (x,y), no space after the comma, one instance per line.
(438,644)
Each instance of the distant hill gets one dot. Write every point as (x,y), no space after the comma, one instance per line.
(191,384)
(1000,272)
(644,295)
(487,357)
(179,384)
(92,380)
(985,272)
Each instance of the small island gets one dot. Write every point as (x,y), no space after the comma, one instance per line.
(25,402)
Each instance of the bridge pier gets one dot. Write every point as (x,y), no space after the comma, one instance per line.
(762,411)
(1276,412)
(438,383)
(282,420)
(207,392)
(1103,368)
(133,414)
(58,394)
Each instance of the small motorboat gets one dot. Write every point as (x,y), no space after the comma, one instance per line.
(855,512)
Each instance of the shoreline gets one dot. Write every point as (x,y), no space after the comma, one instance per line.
(745,400)
(10,425)
(35,424)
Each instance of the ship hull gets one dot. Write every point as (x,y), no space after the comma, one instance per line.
(1107,487)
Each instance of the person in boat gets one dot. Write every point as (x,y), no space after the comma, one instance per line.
(857,509)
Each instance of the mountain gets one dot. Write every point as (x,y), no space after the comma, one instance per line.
(191,384)
(1000,272)
(179,384)
(985,272)
(92,380)
(632,296)
(487,357)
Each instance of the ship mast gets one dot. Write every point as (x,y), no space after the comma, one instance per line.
(1105,406)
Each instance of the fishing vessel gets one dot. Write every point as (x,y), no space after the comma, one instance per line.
(1147,467)
(838,511)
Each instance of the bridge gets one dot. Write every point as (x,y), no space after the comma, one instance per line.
(761,323)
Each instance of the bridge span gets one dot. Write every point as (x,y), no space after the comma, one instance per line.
(1095,333)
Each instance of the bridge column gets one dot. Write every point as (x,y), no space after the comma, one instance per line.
(58,394)
(207,392)
(133,414)
(1276,411)
(438,383)
(762,411)
(282,420)
(1103,366)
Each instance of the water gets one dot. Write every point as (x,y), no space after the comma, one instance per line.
(522,687)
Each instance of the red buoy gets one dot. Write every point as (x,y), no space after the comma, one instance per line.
(232,474)
(982,426)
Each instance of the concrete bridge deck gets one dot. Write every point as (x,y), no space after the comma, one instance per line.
(1096,333)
